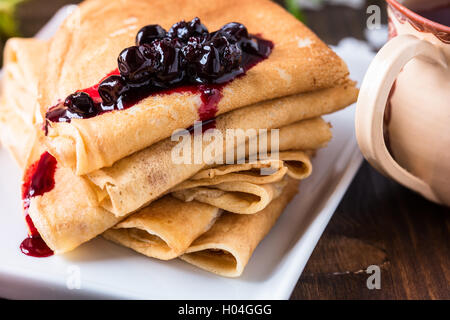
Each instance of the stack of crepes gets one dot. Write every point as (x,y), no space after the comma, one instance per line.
(115,175)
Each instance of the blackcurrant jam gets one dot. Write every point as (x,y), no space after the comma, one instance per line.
(186,58)
(38,179)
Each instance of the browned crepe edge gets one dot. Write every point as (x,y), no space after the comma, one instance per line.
(237,236)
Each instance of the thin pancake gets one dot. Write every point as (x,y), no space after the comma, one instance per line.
(237,197)
(78,61)
(165,229)
(246,188)
(227,247)
(23,59)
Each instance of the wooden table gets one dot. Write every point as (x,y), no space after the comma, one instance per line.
(378,221)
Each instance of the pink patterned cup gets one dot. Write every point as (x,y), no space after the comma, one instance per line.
(403,110)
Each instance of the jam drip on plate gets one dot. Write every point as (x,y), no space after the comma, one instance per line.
(186,58)
(39,179)
(35,247)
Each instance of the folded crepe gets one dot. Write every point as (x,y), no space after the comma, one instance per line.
(227,246)
(152,169)
(70,214)
(88,43)
(295,163)
(244,188)
(237,197)
(167,227)
(23,59)
(164,229)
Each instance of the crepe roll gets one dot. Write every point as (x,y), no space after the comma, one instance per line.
(227,247)
(69,214)
(246,188)
(293,162)
(297,163)
(273,169)
(165,229)
(309,134)
(237,197)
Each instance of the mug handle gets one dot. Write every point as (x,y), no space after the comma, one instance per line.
(372,100)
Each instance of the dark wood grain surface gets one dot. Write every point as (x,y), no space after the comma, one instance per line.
(378,221)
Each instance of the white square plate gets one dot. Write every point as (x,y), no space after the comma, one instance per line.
(110,271)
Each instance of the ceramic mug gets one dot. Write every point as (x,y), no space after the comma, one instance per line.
(403,109)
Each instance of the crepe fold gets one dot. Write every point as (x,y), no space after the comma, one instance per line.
(70,214)
(22,60)
(164,229)
(154,171)
(300,62)
(244,188)
(167,227)
(227,246)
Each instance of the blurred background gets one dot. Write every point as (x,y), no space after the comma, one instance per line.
(332,20)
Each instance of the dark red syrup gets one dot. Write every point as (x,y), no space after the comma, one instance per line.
(38,179)
(35,247)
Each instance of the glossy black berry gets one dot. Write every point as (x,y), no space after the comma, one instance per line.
(153,61)
(81,104)
(250,46)
(169,59)
(184,30)
(208,65)
(132,64)
(233,31)
(196,28)
(111,88)
(59,113)
(150,33)
(192,49)
(179,30)
(232,57)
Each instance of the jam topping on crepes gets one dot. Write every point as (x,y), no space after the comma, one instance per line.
(39,179)
(187,58)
